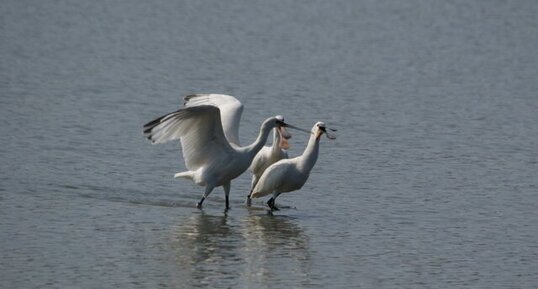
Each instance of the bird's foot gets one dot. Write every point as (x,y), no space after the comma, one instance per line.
(271,204)
(199,204)
(249,199)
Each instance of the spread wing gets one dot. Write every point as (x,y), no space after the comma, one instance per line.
(200,130)
(230,111)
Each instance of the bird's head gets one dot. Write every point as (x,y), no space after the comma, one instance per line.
(320,128)
(283,133)
(279,123)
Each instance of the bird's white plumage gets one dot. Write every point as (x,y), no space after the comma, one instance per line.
(200,131)
(267,156)
(282,176)
(230,111)
(211,153)
(290,174)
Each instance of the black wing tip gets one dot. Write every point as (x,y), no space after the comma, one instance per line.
(150,138)
(158,120)
(148,130)
(152,123)
(188,97)
(148,127)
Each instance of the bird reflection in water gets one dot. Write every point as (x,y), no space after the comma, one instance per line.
(230,251)
(276,251)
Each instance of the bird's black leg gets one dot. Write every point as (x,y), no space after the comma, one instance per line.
(208,190)
(226,188)
(199,204)
(271,204)
(249,200)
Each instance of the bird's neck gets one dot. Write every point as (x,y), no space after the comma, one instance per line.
(275,148)
(260,141)
(310,154)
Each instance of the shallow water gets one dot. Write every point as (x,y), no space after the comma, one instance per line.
(432,182)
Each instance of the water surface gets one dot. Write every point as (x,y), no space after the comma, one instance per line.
(432,182)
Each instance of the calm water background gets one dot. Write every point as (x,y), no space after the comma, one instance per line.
(432,182)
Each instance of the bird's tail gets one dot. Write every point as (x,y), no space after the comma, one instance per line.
(258,194)
(186,175)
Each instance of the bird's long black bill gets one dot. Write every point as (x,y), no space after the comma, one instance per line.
(298,128)
(330,135)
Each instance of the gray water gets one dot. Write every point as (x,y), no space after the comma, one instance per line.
(432,182)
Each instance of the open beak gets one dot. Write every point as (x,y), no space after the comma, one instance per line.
(284,136)
(330,135)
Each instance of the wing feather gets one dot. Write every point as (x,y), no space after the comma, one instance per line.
(230,111)
(199,129)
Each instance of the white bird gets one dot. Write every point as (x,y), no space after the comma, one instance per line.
(208,129)
(290,174)
(269,155)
